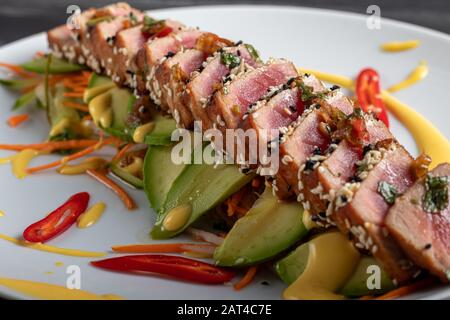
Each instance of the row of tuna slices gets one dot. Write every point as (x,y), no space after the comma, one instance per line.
(235,97)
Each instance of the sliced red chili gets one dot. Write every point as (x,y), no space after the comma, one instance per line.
(164,32)
(59,220)
(368,93)
(177,267)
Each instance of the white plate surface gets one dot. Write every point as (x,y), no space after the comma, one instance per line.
(320,39)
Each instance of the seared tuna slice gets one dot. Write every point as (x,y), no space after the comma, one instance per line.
(103,43)
(172,74)
(303,139)
(128,43)
(156,51)
(63,44)
(424,235)
(230,103)
(360,208)
(337,167)
(203,84)
(280,110)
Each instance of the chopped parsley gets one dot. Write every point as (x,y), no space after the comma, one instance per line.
(133,18)
(308,93)
(436,194)
(151,25)
(95,21)
(253,52)
(388,191)
(230,60)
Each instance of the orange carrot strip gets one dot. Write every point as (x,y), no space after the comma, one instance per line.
(402,291)
(122,152)
(71,157)
(14,121)
(247,279)
(52,145)
(163,248)
(73,94)
(74,105)
(101,177)
(16,69)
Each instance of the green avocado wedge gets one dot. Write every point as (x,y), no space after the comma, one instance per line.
(97,85)
(366,273)
(161,134)
(39,65)
(201,187)
(159,174)
(270,227)
(126,177)
(294,264)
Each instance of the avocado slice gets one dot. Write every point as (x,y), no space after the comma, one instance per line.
(159,174)
(294,264)
(201,187)
(270,227)
(161,134)
(125,176)
(356,286)
(57,65)
(61,118)
(97,85)
(109,111)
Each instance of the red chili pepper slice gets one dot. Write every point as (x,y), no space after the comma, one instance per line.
(177,267)
(164,32)
(369,94)
(59,220)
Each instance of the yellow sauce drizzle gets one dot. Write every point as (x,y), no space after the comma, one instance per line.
(142,131)
(396,46)
(91,163)
(49,272)
(52,249)
(100,110)
(91,216)
(428,138)
(177,217)
(418,74)
(331,261)
(134,168)
(59,264)
(40,290)
(2,214)
(19,162)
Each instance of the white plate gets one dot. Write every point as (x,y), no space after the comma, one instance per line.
(320,39)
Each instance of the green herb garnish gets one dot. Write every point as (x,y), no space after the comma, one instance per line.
(436,194)
(308,92)
(253,52)
(133,18)
(388,191)
(151,25)
(95,21)
(230,60)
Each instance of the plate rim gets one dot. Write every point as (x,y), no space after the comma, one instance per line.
(429,32)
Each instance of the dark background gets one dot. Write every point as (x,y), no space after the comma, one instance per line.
(19,18)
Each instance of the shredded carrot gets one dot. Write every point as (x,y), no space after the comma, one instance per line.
(247,279)
(402,291)
(119,155)
(233,202)
(164,248)
(16,69)
(77,106)
(101,177)
(52,145)
(71,157)
(14,121)
(73,94)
